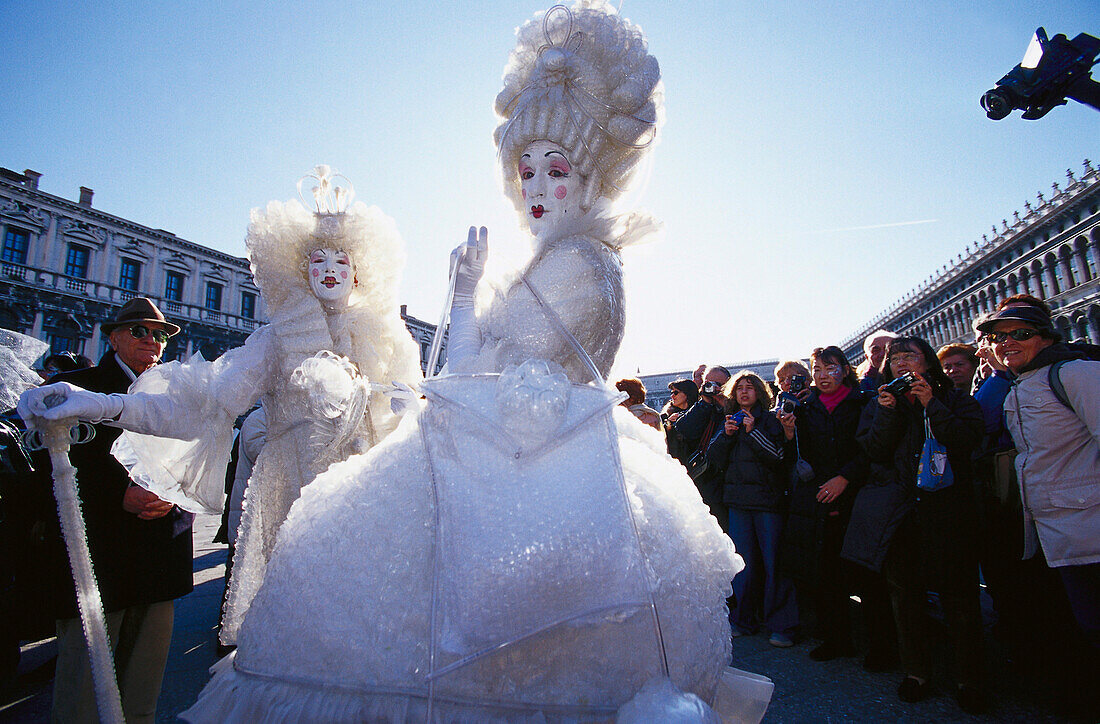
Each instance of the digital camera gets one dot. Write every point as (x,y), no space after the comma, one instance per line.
(798,384)
(711,388)
(738,417)
(788,403)
(900,385)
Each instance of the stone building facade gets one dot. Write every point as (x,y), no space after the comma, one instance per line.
(1051,249)
(66,267)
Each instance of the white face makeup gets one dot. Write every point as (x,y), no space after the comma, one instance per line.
(331,275)
(551,190)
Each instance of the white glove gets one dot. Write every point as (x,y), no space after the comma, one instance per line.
(467,266)
(402,398)
(62,400)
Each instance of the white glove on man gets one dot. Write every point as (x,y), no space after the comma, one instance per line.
(62,400)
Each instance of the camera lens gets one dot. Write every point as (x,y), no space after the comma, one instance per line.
(996,103)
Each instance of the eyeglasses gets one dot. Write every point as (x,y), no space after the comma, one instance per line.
(1020,335)
(140,331)
(677,392)
(905,357)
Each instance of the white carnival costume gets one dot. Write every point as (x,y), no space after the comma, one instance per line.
(310,364)
(520,548)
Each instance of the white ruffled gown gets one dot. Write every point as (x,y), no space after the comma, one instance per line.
(521,548)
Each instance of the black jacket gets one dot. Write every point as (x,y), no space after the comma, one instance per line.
(827,441)
(892,440)
(135,561)
(751,463)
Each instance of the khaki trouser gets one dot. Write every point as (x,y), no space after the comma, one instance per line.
(140,636)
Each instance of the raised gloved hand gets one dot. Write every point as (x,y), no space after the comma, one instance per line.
(62,400)
(467,266)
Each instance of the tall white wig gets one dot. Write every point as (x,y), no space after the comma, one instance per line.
(583,79)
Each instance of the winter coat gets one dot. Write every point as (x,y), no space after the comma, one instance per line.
(1058,459)
(827,441)
(135,561)
(751,464)
(694,431)
(892,439)
(674,441)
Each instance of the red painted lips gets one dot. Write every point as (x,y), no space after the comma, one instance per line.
(537,211)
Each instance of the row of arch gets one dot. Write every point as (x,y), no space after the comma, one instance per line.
(1073,263)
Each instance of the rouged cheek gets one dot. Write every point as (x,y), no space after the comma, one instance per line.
(524,192)
(316,272)
(343,275)
(560,192)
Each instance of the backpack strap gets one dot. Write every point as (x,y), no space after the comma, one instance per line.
(1054,378)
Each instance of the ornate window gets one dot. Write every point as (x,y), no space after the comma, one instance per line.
(15,246)
(248,305)
(173,287)
(129,274)
(213,296)
(76,263)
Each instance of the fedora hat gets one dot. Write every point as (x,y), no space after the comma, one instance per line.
(139,309)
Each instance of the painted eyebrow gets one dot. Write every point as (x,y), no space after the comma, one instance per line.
(526,155)
(547,155)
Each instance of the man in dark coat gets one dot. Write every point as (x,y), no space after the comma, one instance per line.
(140,545)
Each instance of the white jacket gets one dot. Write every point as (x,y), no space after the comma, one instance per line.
(1058,462)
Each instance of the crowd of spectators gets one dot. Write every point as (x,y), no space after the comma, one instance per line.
(913,479)
(919,476)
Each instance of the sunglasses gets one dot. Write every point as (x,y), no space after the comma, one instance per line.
(140,331)
(1020,335)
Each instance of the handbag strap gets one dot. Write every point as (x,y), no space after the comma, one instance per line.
(927,427)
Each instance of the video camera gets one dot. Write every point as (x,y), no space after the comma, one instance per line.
(1052,70)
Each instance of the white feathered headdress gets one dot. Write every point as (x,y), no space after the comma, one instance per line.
(583,79)
(281,237)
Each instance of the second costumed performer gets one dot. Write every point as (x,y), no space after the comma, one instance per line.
(520,548)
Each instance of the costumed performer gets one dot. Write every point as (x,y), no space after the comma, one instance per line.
(328,281)
(520,549)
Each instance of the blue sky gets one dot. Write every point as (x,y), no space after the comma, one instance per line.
(818,159)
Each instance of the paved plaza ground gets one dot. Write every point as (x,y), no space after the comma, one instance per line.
(805,690)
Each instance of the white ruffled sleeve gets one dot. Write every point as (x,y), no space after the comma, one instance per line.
(179,419)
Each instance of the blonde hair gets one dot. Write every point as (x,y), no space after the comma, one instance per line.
(788,365)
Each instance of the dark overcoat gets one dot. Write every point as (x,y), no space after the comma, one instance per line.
(135,561)
(945,520)
(827,441)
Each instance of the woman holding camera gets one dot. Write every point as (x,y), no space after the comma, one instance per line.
(922,540)
(682,395)
(749,453)
(822,432)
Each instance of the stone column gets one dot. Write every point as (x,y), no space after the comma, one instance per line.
(1067,272)
(36,328)
(1050,282)
(1082,265)
(1094,327)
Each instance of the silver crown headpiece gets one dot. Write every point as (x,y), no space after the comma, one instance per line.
(330,200)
